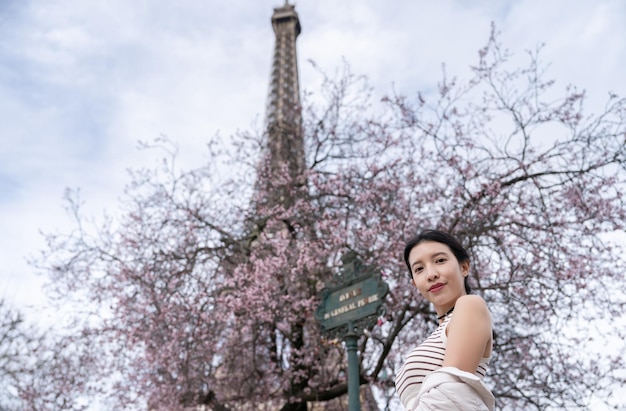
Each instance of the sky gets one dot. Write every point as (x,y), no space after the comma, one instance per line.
(82,81)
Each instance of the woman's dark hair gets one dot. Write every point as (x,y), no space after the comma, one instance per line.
(439,237)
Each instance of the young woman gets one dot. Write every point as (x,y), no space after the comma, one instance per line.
(445,372)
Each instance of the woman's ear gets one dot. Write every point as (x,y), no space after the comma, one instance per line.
(465,268)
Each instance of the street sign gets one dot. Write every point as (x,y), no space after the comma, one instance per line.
(350,303)
(355,300)
(347,309)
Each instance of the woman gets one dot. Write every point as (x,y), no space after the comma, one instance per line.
(445,372)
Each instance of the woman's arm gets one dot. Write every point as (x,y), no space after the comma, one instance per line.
(468,334)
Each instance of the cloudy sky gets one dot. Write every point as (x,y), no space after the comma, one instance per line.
(81,81)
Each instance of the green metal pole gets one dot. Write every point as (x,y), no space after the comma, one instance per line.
(353,372)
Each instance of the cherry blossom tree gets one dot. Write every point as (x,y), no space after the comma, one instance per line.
(37,369)
(14,336)
(202,292)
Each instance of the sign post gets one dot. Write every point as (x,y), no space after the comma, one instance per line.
(354,401)
(347,308)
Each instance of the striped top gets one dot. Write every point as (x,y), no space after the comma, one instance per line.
(424,359)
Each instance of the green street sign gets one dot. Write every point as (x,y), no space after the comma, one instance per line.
(349,308)
(350,303)
(357,299)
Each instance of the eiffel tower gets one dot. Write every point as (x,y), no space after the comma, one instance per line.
(284,150)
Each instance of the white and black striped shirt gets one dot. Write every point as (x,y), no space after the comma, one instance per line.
(424,359)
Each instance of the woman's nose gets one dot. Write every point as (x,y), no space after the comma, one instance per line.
(431,273)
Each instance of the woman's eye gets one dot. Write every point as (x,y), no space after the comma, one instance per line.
(441,260)
(418,270)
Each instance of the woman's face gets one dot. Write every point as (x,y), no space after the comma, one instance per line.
(437,274)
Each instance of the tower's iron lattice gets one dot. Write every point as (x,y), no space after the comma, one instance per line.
(284,118)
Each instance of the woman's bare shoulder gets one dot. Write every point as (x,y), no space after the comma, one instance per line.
(471,303)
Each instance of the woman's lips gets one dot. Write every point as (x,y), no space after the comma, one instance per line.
(436,287)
